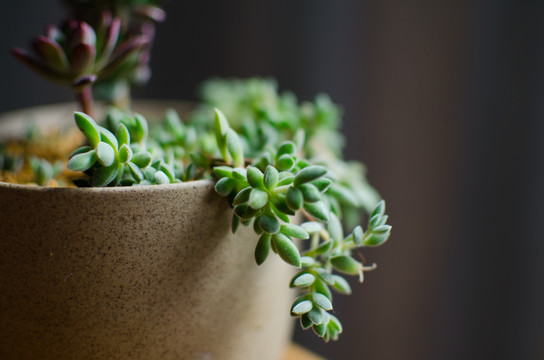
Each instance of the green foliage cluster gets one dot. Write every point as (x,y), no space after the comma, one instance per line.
(279,188)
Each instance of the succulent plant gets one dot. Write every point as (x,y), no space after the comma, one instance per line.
(277,161)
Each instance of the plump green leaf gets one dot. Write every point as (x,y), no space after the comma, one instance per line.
(269,223)
(135,171)
(263,248)
(303,280)
(108,137)
(141,159)
(293,198)
(306,261)
(285,163)
(302,307)
(358,235)
(161,178)
(105,175)
(235,223)
(224,186)
(295,231)
(140,129)
(325,276)
(88,127)
(239,174)
(322,183)
(379,209)
(105,154)
(235,148)
(343,194)
(305,321)
(223,171)
(125,153)
(285,178)
(270,178)
(346,264)
(341,285)
(309,192)
(335,228)
(312,226)
(242,196)
(320,329)
(316,315)
(322,301)
(244,212)
(286,249)
(335,323)
(318,210)
(255,177)
(287,147)
(123,136)
(308,174)
(221,127)
(378,235)
(322,287)
(258,198)
(82,161)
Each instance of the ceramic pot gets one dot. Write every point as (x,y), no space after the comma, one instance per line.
(149,272)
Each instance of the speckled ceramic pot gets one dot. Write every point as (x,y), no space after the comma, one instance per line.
(134,273)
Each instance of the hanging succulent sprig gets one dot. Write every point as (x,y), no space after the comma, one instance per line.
(271,193)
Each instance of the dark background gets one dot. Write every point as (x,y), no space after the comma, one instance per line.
(444,101)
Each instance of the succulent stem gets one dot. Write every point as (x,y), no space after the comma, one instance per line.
(85,98)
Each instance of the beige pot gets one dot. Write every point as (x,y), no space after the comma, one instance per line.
(148,272)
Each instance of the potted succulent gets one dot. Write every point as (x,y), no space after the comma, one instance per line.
(129,239)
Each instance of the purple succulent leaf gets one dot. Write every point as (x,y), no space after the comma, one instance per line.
(82,59)
(122,53)
(52,54)
(82,33)
(110,41)
(39,67)
(150,12)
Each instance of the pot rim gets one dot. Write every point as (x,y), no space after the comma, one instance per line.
(111,189)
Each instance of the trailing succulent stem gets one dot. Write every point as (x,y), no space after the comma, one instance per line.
(273,191)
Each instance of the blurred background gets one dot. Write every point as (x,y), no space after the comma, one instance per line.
(443,101)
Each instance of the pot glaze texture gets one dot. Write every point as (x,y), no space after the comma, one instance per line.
(149,272)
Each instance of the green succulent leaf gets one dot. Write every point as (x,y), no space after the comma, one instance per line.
(341,285)
(82,161)
(225,186)
(322,301)
(270,178)
(309,173)
(263,248)
(286,249)
(302,307)
(303,280)
(269,223)
(105,175)
(255,177)
(346,264)
(105,154)
(294,198)
(258,198)
(318,210)
(88,127)
(295,231)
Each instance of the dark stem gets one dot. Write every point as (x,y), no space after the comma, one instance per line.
(85,98)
